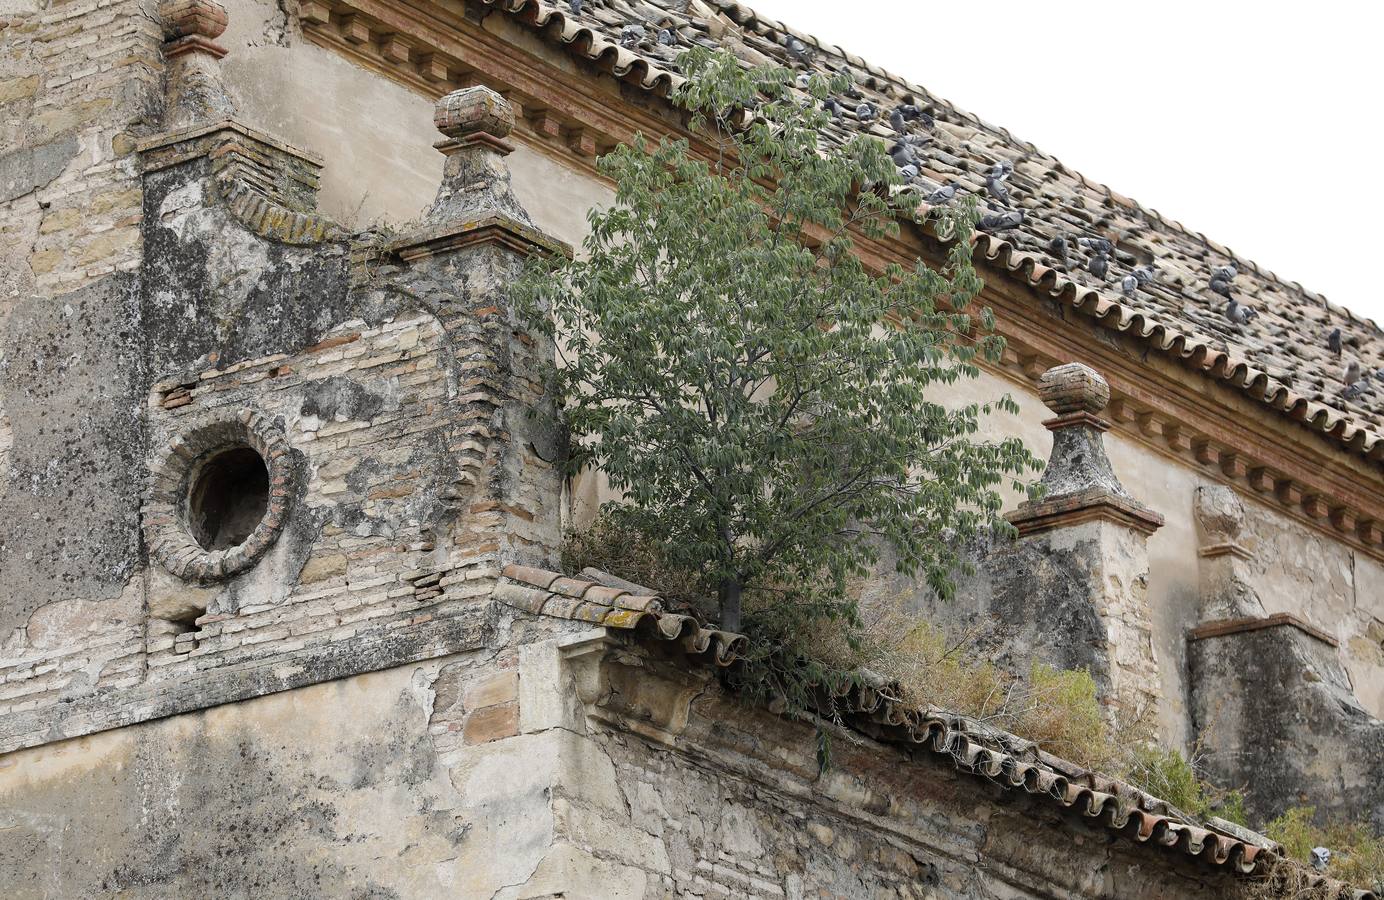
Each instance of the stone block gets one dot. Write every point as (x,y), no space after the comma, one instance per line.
(491,723)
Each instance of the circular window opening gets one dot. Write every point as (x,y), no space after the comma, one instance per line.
(229,497)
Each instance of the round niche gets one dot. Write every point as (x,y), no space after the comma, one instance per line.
(220,497)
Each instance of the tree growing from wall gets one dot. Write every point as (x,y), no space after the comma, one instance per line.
(774,413)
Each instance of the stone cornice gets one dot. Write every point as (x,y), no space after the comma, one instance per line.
(492,228)
(1224,627)
(1157,402)
(1073,509)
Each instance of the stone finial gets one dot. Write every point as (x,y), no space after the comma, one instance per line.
(1079,482)
(205,19)
(475,180)
(1073,388)
(195,92)
(474,114)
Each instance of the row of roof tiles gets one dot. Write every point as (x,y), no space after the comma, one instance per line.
(877,710)
(1280,357)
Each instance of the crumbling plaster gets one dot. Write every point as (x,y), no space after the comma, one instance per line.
(376,137)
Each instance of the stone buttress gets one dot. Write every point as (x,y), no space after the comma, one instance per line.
(1275,710)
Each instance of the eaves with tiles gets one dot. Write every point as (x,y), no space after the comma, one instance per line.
(1260,405)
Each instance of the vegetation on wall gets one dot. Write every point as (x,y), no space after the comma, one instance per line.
(769,408)
(772,414)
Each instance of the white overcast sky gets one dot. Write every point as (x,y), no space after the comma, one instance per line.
(1258,124)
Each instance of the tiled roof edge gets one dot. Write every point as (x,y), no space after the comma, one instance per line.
(1341,426)
(875,709)
(748,15)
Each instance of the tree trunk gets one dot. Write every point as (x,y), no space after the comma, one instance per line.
(730,604)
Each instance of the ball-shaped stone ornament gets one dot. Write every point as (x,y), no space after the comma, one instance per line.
(1073,388)
(473,110)
(203,18)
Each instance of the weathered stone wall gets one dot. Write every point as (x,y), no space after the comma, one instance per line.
(132,311)
(494,774)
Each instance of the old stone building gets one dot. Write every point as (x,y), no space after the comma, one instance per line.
(279,614)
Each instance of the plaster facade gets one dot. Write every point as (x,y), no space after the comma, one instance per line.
(301,265)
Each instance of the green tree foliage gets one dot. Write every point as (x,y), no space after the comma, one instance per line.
(771,410)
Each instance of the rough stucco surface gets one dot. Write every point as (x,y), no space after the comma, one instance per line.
(209,759)
(483,775)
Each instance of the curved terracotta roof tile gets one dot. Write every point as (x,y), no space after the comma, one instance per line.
(875,706)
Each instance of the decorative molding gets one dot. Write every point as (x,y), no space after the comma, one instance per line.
(1224,627)
(1045,515)
(1156,401)
(496,228)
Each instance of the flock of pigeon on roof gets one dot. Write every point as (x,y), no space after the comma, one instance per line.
(651,29)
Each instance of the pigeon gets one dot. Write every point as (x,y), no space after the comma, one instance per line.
(1355,390)
(908,112)
(831,106)
(1221,278)
(797,49)
(997,189)
(1057,249)
(1129,285)
(1001,221)
(1144,274)
(1001,170)
(908,172)
(1238,312)
(943,194)
(1333,342)
(804,81)
(866,112)
(631,36)
(1095,245)
(574,6)
(1099,265)
(1352,373)
(666,37)
(903,154)
(1321,857)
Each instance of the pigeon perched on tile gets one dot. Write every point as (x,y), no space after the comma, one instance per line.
(903,154)
(1099,246)
(1129,285)
(1333,342)
(1239,313)
(631,36)
(666,37)
(1144,274)
(1221,279)
(1098,265)
(834,108)
(1004,221)
(803,81)
(866,112)
(1057,249)
(908,172)
(995,186)
(1321,857)
(1352,373)
(1355,390)
(574,7)
(943,194)
(797,50)
(905,113)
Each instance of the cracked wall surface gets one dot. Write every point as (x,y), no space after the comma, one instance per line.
(165,736)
